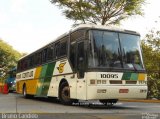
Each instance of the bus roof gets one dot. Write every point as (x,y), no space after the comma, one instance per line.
(86,26)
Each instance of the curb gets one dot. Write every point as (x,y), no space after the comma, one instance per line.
(145,101)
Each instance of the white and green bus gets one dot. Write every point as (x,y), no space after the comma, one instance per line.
(90,62)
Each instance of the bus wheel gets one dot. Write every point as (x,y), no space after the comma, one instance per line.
(109,102)
(64,94)
(24,91)
(25,95)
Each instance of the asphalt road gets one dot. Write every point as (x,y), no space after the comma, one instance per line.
(43,108)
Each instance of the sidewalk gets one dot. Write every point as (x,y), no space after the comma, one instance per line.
(140,100)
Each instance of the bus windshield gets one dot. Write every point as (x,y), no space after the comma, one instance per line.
(115,50)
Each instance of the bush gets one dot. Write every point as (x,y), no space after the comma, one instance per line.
(153,88)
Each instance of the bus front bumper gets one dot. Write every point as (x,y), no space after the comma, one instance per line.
(116,92)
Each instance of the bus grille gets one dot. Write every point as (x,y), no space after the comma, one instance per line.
(131,82)
(115,82)
(121,82)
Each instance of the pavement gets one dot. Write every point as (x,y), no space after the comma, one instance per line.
(43,108)
(140,100)
(131,100)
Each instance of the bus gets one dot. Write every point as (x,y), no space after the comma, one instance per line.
(11,79)
(90,62)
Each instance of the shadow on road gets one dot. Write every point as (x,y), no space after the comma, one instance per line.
(84,104)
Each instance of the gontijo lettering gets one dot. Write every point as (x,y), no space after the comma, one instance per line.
(27,74)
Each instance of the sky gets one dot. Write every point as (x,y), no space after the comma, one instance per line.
(28,25)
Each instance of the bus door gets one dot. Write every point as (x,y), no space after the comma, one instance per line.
(81,83)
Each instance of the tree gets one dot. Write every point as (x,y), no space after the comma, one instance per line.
(151,51)
(8,57)
(151,55)
(102,12)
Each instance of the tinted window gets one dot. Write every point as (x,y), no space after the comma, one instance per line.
(44,55)
(77,34)
(73,54)
(50,52)
(37,58)
(131,51)
(30,61)
(57,49)
(114,50)
(63,48)
(105,49)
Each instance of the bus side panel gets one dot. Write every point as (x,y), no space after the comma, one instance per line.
(61,71)
(38,72)
(53,88)
(41,80)
(54,85)
(19,86)
(28,78)
(47,80)
(31,85)
(72,80)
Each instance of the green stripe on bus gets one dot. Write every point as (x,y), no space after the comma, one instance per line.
(45,79)
(134,76)
(41,80)
(43,71)
(130,76)
(48,78)
(126,76)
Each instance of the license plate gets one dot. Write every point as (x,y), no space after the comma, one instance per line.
(123,90)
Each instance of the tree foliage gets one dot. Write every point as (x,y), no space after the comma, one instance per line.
(151,52)
(102,12)
(151,55)
(8,57)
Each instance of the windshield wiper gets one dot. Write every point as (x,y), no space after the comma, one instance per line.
(134,67)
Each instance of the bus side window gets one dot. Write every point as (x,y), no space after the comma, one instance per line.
(31,61)
(57,50)
(79,34)
(44,55)
(74,36)
(50,55)
(24,64)
(38,58)
(19,67)
(34,60)
(53,49)
(73,55)
(27,63)
(63,48)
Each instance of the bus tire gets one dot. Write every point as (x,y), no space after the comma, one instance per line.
(64,94)
(109,102)
(24,91)
(25,95)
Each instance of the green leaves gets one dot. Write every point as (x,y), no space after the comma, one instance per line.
(151,56)
(151,52)
(102,12)
(8,57)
